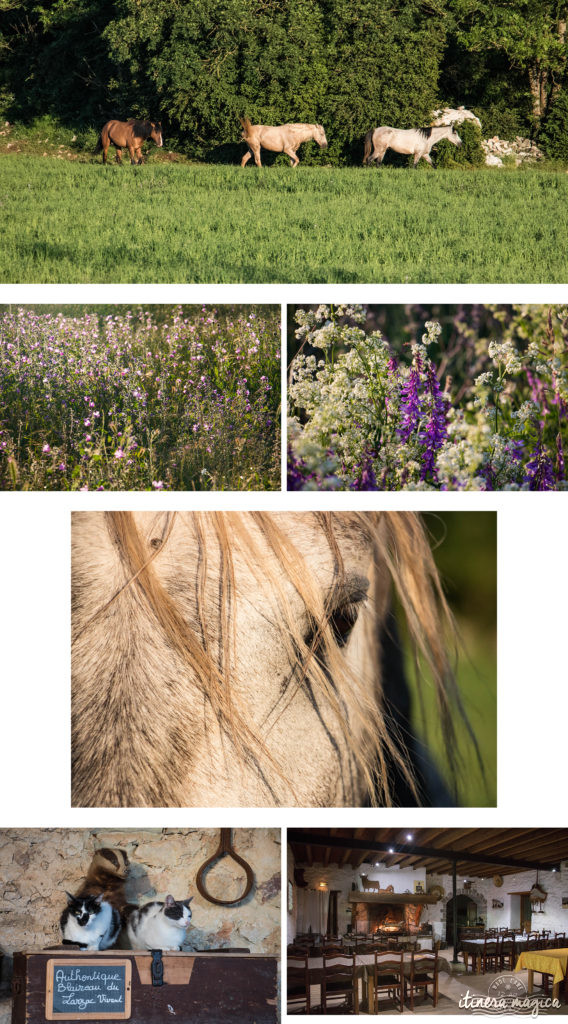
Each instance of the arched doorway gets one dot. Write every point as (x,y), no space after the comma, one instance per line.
(466,911)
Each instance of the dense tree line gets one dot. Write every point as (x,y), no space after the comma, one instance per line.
(348,64)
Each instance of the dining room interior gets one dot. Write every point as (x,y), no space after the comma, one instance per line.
(427,920)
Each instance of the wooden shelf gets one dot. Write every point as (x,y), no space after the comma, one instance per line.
(395,898)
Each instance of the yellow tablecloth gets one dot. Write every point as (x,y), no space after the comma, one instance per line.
(549,961)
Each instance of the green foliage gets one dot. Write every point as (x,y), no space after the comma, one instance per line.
(469,154)
(384,61)
(528,33)
(351,66)
(73,222)
(554,137)
(202,65)
(504,120)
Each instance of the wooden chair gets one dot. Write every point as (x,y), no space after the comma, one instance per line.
(507,953)
(386,975)
(490,955)
(298,949)
(298,984)
(369,948)
(423,973)
(339,978)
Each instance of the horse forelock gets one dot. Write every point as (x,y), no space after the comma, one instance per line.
(233,557)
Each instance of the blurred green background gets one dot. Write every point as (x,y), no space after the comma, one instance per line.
(465,549)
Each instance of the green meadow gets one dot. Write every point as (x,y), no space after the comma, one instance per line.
(65,221)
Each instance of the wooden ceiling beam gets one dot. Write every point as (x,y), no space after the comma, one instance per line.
(429,853)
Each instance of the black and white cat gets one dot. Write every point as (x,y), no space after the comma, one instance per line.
(159,925)
(90,921)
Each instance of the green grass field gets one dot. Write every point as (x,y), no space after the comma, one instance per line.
(66,221)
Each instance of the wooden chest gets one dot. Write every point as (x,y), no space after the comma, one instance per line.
(201,988)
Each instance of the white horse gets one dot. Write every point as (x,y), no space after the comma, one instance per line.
(283,138)
(234,658)
(412,141)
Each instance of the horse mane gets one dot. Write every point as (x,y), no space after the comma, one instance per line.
(401,551)
(426,132)
(143,129)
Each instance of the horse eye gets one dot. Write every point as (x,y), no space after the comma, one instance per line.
(341,621)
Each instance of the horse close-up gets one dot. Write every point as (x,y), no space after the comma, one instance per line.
(252,659)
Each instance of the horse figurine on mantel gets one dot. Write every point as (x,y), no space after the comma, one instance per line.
(412,141)
(373,885)
(284,138)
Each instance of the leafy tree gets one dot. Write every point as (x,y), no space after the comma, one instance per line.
(384,63)
(215,60)
(469,154)
(554,137)
(530,33)
(56,60)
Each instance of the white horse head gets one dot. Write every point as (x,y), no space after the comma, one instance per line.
(319,136)
(226,659)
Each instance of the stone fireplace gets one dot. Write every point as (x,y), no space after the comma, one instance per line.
(388,913)
(386,918)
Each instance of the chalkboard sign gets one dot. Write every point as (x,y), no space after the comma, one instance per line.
(88,989)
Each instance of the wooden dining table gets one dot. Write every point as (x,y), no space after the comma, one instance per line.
(547,961)
(363,962)
(474,948)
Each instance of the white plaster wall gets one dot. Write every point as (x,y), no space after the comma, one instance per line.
(555,884)
(341,878)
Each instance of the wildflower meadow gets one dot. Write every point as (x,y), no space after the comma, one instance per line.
(182,398)
(480,403)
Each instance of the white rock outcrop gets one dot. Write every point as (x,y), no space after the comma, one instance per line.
(450,115)
(523,150)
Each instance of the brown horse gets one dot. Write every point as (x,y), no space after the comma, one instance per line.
(283,138)
(131,134)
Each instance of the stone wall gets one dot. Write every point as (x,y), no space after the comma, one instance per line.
(484,891)
(343,878)
(37,865)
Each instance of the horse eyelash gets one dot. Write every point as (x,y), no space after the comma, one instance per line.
(341,620)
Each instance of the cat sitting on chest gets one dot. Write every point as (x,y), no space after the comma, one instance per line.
(90,922)
(93,916)
(159,925)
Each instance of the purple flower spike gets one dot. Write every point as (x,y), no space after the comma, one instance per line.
(560,458)
(539,473)
(410,405)
(436,431)
(366,480)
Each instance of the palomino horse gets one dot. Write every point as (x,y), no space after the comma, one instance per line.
(235,658)
(414,141)
(131,134)
(284,138)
